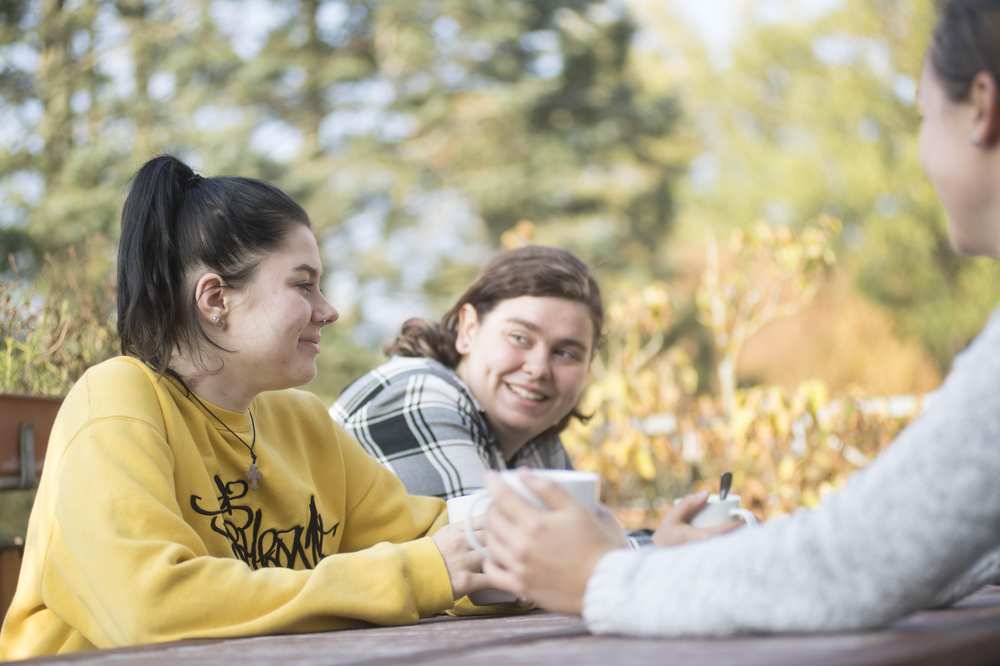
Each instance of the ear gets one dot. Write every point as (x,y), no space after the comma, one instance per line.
(210,299)
(983,94)
(468,323)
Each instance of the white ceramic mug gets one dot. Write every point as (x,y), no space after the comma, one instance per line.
(717,512)
(585,487)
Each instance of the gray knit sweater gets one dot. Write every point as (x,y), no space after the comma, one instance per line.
(916,528)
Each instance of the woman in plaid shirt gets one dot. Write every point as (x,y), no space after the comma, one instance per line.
(489,387)
(493,384)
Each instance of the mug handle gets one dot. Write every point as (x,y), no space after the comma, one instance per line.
(470,536)
(745,515)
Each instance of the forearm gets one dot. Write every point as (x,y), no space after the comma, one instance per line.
(882,547)
(169,595)
(986,571)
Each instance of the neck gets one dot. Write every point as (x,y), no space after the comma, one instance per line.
(510,444)
(217,388)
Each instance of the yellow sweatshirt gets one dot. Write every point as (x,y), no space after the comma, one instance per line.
(145,529)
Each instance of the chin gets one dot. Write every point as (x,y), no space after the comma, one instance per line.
(973,247)
(302,376)
(307,377)
(531,429)
(973,232)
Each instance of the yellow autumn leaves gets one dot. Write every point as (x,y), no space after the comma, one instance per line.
(668,414)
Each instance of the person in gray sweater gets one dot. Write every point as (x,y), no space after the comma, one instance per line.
(918,527)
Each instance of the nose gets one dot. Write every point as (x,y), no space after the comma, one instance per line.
(536,362)
(325,313)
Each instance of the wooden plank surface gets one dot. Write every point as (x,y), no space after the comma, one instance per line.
(968,634)
(433,638)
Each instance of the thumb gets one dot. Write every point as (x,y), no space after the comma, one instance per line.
(687,508)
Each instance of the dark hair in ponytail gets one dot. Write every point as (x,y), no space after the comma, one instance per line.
(174,220)
(533,270)
(966,41)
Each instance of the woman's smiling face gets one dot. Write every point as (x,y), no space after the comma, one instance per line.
(275,320)
(526,362)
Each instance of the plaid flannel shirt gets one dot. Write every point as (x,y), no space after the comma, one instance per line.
(416,417)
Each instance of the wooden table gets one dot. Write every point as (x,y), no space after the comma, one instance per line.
(966,634)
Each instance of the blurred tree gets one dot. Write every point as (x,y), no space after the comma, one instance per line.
(815,113)
(438,125)
(93,89)
(399,124)
(536,111)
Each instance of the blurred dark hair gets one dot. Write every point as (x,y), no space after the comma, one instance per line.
(174,220)
(526,271)
(966,41)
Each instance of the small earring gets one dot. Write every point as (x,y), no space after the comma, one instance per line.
(217,319)
(975,140)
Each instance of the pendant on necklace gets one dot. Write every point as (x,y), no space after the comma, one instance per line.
(254,476)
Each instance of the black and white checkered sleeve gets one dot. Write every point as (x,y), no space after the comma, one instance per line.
(426,431)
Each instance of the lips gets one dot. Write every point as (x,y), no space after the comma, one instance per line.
(312,343)
(527,393)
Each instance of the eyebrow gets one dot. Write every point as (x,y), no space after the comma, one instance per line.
(306,268)
(535,328)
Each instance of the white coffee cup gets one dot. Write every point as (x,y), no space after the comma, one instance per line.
(718,512)
(585,487)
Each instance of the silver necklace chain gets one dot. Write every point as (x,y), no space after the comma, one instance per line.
(253,472)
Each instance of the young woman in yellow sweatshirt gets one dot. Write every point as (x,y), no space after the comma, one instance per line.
(188,490)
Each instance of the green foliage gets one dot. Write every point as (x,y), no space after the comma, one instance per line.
(659,430)
(54,330)
(816,115)
(396,123)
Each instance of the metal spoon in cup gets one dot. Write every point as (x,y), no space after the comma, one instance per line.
(724,484)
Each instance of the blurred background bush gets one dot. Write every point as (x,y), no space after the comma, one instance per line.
(741,175)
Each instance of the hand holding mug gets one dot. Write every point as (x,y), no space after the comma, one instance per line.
(464,564)
(466,513)
(678,525)
(543,554)
(720,510)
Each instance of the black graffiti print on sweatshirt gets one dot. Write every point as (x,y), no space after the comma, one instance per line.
(242,525)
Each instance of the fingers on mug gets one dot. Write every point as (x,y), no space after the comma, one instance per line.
(470,535)
(483,496)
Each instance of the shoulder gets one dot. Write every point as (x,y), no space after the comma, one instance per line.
(119,387)
(299,414)
(400,369)
(297,403)
(120,390)
(989,337)
(120,371)
(976,368)
(402,380)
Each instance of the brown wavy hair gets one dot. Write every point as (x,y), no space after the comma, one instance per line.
(534,270)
